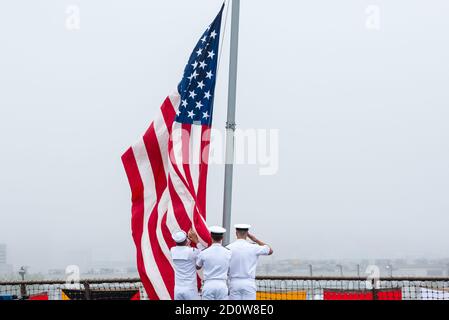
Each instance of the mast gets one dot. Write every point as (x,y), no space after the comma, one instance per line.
(230,124)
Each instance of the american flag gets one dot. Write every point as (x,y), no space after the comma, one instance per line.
(167,168)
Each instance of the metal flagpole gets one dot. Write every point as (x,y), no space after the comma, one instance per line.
(230,125)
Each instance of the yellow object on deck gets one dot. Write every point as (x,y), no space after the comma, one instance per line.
(291,295)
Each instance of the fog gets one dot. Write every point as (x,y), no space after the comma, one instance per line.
(361,109)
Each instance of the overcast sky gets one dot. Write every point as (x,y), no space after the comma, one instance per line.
(362,114)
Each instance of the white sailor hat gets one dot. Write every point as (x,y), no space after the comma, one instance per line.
(179,236)
(217,230)
(242,226)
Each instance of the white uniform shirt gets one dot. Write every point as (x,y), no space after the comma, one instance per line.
(215,262)
(184,261)
(244,259)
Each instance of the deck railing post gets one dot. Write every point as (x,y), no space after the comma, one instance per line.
(374,289)
(87,292)
(23,290)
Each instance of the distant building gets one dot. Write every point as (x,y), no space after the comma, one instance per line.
(2,253)
(4,267)
(56,272)
(382,262)
(435,272)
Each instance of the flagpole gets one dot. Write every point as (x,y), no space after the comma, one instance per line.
(230,124)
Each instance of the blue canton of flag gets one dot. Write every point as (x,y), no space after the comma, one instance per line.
(197,87)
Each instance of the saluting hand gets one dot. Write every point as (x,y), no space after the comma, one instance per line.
(252,237)
(193,236)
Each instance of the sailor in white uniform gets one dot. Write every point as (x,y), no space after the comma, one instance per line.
(215,263)
(184,260)
(244,262)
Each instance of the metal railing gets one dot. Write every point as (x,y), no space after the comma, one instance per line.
(352,288)
(269,288)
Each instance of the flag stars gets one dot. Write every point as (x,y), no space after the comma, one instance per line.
(191,114)
(197,86)
(193,76)
(211,54)
(192,94)
(201,85)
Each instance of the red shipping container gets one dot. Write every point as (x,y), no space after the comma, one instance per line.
(348,295)
(40,296)
(395,294)
(390,295)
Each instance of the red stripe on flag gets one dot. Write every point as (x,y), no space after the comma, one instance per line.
(201,227)
(166,232)
(178,208)
(155,157)
(168,113)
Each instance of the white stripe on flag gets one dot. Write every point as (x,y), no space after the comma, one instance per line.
(177,148)
(194,154)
